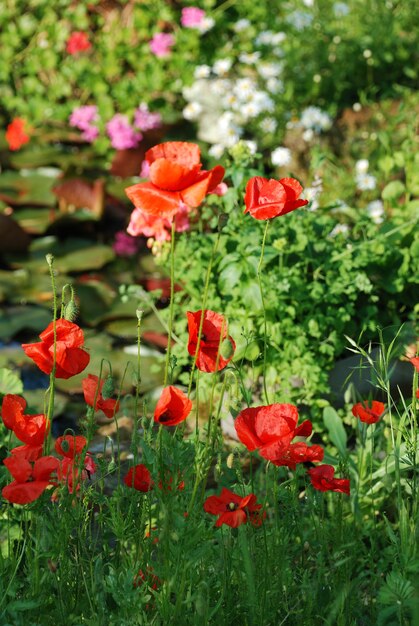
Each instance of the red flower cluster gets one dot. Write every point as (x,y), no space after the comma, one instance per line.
(77,42)
(233,510)
(30,429)
(369,413)
(173,407)
(211,355)
(92,388)
(71,359)
(16,136)
(415,362)
(71,448)
(33,473)
(271,429)
(322,478)
(139,478)
(29,480)
(266,199)
(176,179)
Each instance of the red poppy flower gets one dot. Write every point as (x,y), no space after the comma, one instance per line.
(70,446)
(270,429)
(139,478)
(30,453)
(173,407)
(77,42)
(322,478)
(176,179)
(166,482)
(16,136)
(415,362)
(266,199)
(70,358)
(368,413)
(29,481)
(214,333)
(232,509)
(147,578)
(31,429)
(90,390)
(299,452)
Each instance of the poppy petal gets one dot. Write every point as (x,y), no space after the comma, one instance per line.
(154,200)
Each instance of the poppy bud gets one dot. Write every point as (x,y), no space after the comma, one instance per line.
(65,446)
(108,388)
(222,220)
(226,349)
(70,311)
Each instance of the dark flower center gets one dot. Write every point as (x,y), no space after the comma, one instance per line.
(232,506)
(165,417)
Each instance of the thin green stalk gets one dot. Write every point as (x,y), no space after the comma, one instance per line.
(172,292)
(264,310)
(51,388)
(204,304)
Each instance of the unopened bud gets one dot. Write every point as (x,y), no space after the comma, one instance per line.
(70,311)
(139,313)
(226,349)
(108,388)
(50,259)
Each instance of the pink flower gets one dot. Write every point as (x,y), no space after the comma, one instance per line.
(192,17)
(77,42)
(121,134)
(155,227)
(83,118)
(161,43)
(145,120)
(90,134)
(145,169)
(220,190)
(124,244)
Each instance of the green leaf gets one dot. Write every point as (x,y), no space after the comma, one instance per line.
(393,190)
(9,382)
(336,429)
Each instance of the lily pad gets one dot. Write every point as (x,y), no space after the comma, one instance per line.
(16,319)
(9,382)
(31,188)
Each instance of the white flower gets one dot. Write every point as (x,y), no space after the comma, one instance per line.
(222,66)
(340,9)
(281,156)
(244,89)
(221,86)
(192,111)
(308,3)
(315,119)
(205,24)
(252,145)
(268,125)
(361,166)
(249,59)
(263,101)
(216,150)
(274,85)
(241,25)
(376,211)
(269,70)
(339,229)
(278,38)
(308,135)
(300,19)
(202,71)
(365,182)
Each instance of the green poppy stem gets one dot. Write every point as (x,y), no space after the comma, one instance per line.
(264,310)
